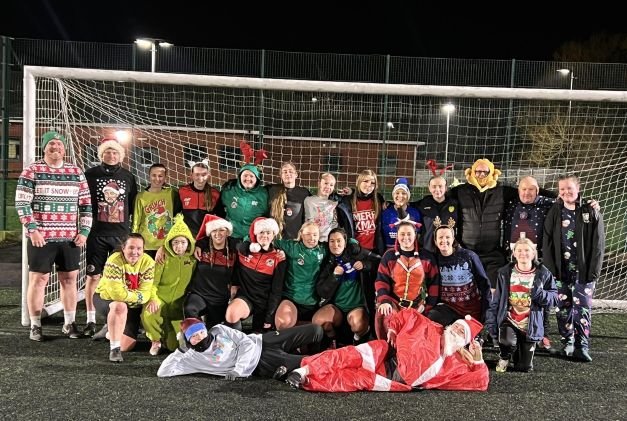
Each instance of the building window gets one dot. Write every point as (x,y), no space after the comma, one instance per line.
(230,157)
(146,156)
(195,153)
(331,164)
(387,165)
(14,149)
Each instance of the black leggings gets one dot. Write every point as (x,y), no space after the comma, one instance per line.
(514,341)
(277,347)
(197,306)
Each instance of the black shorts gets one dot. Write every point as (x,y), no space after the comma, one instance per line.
(133,317)
(257,311)
(98,251)
(64,254)
(304,312)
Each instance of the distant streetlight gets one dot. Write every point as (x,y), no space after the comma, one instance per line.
(566,72)
(448,109)
(151,43)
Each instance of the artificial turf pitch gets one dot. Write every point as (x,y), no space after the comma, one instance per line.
(73,379)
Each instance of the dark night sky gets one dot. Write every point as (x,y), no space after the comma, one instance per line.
(531,33)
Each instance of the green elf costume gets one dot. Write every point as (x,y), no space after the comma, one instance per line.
(168,289)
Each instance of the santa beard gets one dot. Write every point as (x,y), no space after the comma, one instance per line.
(452,342)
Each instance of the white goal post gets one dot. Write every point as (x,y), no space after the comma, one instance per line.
(340,127)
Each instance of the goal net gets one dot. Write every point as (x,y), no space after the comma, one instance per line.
(340,128)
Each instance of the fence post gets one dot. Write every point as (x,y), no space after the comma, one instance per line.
(383,154)
(4,152)
(508,134)
(262,74)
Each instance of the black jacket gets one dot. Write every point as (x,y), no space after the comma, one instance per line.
(590,237)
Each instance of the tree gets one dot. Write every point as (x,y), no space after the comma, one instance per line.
(599,48)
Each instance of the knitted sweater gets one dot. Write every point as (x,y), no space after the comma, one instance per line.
(153,216)
(55,201)
(128,283)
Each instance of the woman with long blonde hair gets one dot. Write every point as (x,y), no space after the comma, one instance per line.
(286,202)
(360,215)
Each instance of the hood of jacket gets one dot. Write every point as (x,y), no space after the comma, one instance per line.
(179,229)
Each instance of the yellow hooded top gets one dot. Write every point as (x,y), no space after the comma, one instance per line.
(486,183)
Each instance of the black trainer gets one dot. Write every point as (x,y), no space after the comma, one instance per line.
(90,329)
(71,330)
(279,373)
(294,379)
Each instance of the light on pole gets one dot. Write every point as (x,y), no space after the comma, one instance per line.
(151,43)
(448,109)
(566,72)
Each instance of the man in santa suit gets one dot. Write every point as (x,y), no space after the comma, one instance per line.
(419,353)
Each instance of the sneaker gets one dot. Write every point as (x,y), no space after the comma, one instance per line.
(501,366)
(71,330)
(101,334)
(568,349)
(90,329)
(155,348)
(35,334)
(294,379)
(279,373)
(115,355)
(582,354)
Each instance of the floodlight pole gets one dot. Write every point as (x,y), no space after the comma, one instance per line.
(448,109)
(152,44)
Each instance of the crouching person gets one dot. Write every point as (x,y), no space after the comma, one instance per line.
(223,351)
(524,289)
(125,285)
(162,315)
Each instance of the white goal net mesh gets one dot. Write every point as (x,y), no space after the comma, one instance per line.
(343,133)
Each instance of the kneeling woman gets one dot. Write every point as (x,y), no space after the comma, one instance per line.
(125,286)
(339,285)
(516,314)
(208,292)
(258,277)
(406,278)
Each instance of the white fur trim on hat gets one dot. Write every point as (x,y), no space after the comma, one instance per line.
(267,224)
(217,223)
(110,144)
(402,186)
(466,327)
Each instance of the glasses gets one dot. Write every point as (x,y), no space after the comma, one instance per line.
(479,172)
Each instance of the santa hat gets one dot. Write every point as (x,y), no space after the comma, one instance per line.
(403,184)
(191,326)
(110,143)
(113,187)
(261,224)
(51,135)
(212,223)
(471,326)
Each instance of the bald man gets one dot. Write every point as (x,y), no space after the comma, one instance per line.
(524,217)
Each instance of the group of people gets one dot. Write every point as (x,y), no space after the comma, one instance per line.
(406,286)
